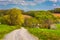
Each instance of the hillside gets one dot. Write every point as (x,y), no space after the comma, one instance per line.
(56,14)
(27,16)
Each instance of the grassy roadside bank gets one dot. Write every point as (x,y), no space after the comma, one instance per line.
(46,34)
(4,29)
(43,34)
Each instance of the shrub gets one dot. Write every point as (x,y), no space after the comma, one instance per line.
(31,22)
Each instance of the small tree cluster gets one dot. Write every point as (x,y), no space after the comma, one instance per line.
(44,18)
(14,17)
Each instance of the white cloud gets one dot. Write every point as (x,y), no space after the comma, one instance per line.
(3,3)
(3,0)
(54,5)
(53,1)
(39,1)
(32,4)
(57,6)
(21,2)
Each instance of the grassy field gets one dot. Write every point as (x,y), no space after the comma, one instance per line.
(58,26)
(43,34)
(46,34)
(4,29)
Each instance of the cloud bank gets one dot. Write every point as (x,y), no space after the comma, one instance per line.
(24,2)
(21,2)
(29,3)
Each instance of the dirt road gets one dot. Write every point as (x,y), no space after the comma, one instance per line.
(20,34)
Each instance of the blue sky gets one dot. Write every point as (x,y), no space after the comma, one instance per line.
(30,4)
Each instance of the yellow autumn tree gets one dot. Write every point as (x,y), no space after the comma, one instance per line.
(14,17)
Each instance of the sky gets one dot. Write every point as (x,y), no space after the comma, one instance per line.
(30,4)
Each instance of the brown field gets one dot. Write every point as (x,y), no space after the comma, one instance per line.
(56,14)
(27,16)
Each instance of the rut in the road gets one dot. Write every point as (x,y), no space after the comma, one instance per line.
(21,34)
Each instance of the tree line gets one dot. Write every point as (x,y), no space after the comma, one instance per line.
(41,19)
(55,10)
